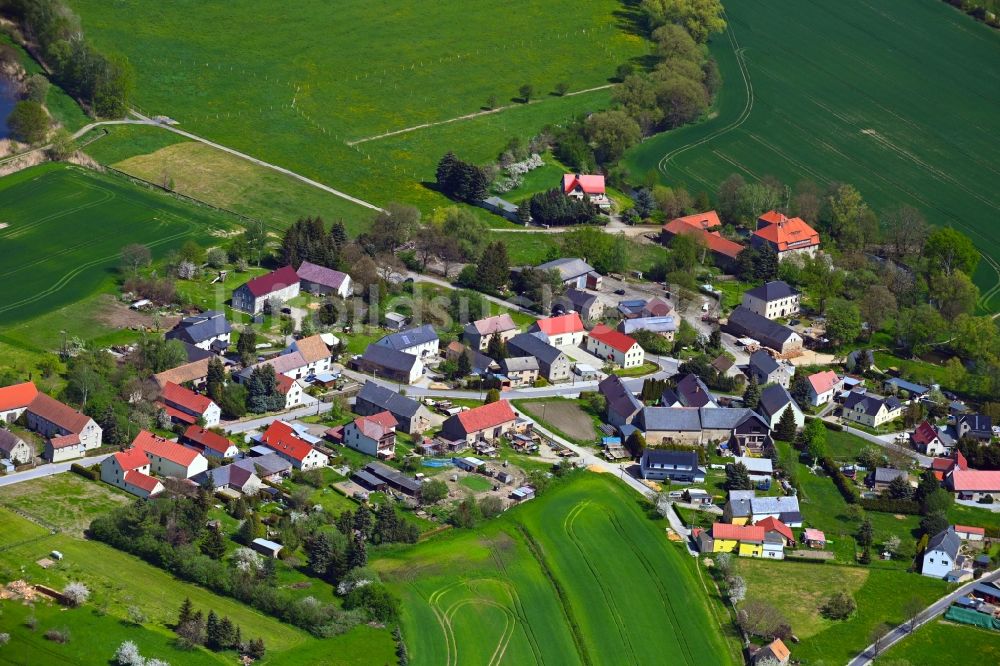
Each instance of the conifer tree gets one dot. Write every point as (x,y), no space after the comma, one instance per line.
(786,425)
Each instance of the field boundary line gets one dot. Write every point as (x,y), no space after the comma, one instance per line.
(574,627)
(477,114)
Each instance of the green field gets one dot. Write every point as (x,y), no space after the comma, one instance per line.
(877,106)
(66,227)
(581,575)
(295,89)
(935,643)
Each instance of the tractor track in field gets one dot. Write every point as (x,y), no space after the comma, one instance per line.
(738,122)
(515,600)
(444,618)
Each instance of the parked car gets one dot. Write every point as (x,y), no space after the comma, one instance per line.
(620,292)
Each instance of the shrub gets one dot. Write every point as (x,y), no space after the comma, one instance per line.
(844,485)
(4,639)
(886,505)
(76,593)
(127,654)
(839,607)
(57,635)
(85,472)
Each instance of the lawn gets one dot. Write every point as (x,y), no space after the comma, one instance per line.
(576,576)
(70,501)
(93,216)
(118,580)
(563,416)
(936,643)
(857,111)
(228,76)
(797,589)
(644,369)
(477,484)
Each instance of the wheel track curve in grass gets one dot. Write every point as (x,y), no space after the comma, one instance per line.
(744,114)
(15,230)
(664,596)
(510,624)
(515,600)
(568,523)
(444,616)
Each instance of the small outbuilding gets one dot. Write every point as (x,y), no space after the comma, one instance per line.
(266,547)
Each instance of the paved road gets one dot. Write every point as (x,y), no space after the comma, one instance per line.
(234,427)
(48,470)
(928,614)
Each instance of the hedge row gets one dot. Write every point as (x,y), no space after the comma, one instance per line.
(829,426)
(886,505)
(844,485)
(86,472)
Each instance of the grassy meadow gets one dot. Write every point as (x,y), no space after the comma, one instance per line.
(935,643)
(316,111)
(581,575)
(877,106)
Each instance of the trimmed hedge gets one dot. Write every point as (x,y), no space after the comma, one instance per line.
(86,472)
(844,485)
(886,505)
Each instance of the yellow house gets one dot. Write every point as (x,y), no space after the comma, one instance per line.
(744,540)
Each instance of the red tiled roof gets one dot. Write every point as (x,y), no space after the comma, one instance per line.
(612,338)
(925,434)
(487,416)
(140,480)
(960,461)
(737,532)
(786,233)
(713,242)
(177,414)
(657,307)
(312,349)
(705,221)
(132,458)
(975,479)
(63,441)
(823,381)
(772,524)
(811,534)
(158,446)
(970,530)
(589,183)
(567,323)
(377,425)
(280,437)
(185,398)
(284,383)
(779,650)
(17,396)
(273,281)
(207,438)
(942,464)
(189,372)
(58,413)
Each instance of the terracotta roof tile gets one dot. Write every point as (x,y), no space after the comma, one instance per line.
(612,338)
(704,221)
(487,416)
(58,413)
(158,446)
(589,183)
(771,524)
(17,396)
(567,323)
(188,372)
(132,458)
(313,349)
(185,398)
(282,438)
(737,532)
(786,233)
(207,438)
(140,480)
(823,381)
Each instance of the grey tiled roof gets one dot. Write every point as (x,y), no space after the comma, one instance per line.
(388,399)
(669,418)
(946,541)
(762,329)
(772,291)
(388,357)
(409,338)
(526,344)
(773,399)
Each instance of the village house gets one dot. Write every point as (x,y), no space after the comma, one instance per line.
(760,470)
(169,458)
(772,300)
(691,391)
(186,407)
(323,281)
(387,363)
(411,416)
(974,426)
(774,400)
(665,326)
(704,227)
(230,477)
(477,334)
(195,373)
(823,387)
(520,370)
(622,405)
(553,364)
(941,554)
(768,371)
(676,425)
(373,435)
(315,355)
(744,540)
(280,285)
(677,466)
(751,437)
(588,305)
(283,440)
(566,329)
(973,484)
(14,400)
(291,389)
(14,449)
(744,507)
(209,331)
(775,653)
(487,423)
(574,272)
(883,476)
(927,440)
(586,186)
(129,470)
(744,323)
(814,538)
(871,410)
(421,342)
(786,235)
(967,533)
(614,347)
(208,443)
(68,432)
(269,467)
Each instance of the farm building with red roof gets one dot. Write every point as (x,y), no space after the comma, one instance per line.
(724,251)
(169,458)
(590,186)
(129,470)
(69,433)
(487,422)
(786,235)
(561,330)
(615,347)
(14,400)
(282,284)
(972,484)
(283,440)
(208,443)
(186,407)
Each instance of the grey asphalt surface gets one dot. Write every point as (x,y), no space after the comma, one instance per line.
(48,470)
